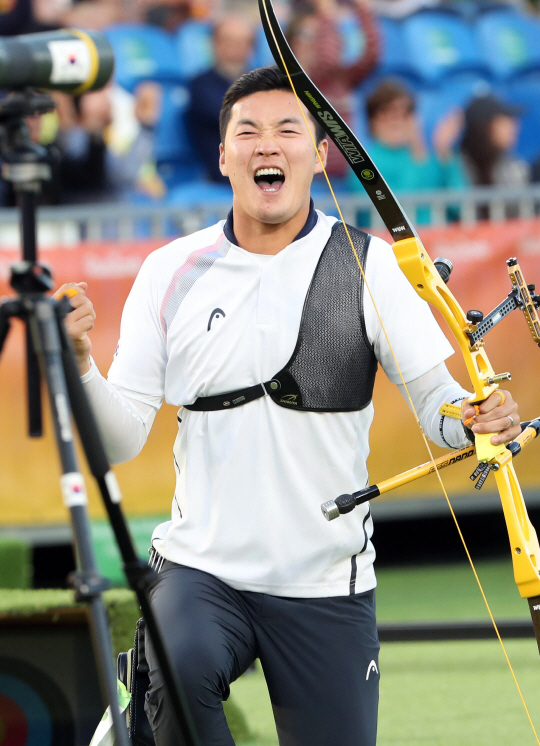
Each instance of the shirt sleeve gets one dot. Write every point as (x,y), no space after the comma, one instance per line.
(124,417)
(427,393)
(408,333)
(140,358)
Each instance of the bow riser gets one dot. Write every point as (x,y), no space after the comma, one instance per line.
(418,268)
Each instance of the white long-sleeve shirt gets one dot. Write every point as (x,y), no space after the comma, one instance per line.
(250,481)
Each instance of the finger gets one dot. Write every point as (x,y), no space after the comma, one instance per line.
(496,400)
(78,314)
(496,425)
(509,409)
(469,415)
(70,289)
(507,435)
(77,328)
(84,309)
(78,300)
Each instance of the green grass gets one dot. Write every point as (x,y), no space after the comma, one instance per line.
(448,592)
(438,693)
(458,693)
(434,694)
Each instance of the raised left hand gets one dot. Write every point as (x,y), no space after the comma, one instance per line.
(497,414)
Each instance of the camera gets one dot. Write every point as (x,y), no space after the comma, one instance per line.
(69,60)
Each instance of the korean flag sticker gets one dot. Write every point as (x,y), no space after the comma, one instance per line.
(71,62)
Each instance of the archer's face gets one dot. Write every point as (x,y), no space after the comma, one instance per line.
(269,157)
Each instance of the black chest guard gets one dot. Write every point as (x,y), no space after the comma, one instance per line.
(333,366)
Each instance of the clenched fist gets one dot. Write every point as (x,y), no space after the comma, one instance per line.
(79,321)
(497,414)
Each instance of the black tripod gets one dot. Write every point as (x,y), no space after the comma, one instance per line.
(49,352)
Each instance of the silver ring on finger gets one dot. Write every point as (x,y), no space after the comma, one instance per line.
(511,421)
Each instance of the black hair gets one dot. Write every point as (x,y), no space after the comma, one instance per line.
(262,79)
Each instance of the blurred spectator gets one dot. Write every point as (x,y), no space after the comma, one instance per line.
(82,123)
(94,15)
(315,39)
(535,171)
(399,150)
(18,17)
(168,14)
(130,160)
(232,45)
(491,132)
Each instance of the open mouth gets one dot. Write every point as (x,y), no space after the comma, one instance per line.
(269,180)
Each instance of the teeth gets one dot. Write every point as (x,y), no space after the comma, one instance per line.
(269,172)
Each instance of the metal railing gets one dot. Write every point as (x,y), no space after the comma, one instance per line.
(120,221)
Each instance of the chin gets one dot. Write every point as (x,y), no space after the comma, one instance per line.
(269,210)
(274,214)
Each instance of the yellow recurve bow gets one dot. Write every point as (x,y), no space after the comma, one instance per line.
(468,330)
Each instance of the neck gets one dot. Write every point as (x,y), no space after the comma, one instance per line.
(267,238)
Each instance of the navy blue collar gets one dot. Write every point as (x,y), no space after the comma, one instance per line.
(228,228)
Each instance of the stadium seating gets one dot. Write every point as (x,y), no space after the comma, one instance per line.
(193,43)
(457,91)
(143,52)
(509,42)
(393,59)
(525,92)
(173,152)
(437,44)
(352,39)
(445,57)
(262,56)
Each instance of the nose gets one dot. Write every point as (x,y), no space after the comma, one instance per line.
(267,146)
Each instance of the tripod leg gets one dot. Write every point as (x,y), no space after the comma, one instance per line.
(33,390)
(5,324)
(140,576)
(44,330)
(26,199)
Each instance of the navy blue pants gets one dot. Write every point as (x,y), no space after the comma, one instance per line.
(320,658)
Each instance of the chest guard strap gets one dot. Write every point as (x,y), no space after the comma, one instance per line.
(333,366)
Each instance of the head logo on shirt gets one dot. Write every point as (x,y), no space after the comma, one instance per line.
(216,313)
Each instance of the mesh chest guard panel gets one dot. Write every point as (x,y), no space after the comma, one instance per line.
(333,366)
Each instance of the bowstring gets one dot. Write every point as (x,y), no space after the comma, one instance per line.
(405,387)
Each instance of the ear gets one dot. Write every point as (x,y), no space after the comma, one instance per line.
(222,166)
(322,149)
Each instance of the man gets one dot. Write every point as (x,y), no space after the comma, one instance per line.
(232,44)
(250,568)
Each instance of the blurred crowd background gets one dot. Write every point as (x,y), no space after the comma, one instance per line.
(442,93)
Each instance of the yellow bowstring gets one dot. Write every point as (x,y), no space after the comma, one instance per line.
(413,409)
